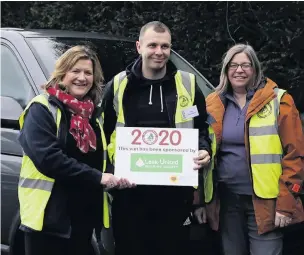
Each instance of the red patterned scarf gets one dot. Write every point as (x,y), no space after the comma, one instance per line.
(80,126)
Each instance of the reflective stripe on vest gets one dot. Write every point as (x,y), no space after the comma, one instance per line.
(36,184)
(266,149)
(34,188)
(185,87)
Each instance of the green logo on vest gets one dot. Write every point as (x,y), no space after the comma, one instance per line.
(166,163)
(183,101)
(265,111)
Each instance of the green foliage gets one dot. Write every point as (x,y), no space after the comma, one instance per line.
(200,30)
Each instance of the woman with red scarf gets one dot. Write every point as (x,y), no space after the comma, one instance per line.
(62,181)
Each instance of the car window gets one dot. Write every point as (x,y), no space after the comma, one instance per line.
(14,82)
(114,55)
(201,81)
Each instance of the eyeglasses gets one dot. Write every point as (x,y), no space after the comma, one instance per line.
(244,66)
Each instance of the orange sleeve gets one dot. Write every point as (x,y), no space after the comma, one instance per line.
(292,138)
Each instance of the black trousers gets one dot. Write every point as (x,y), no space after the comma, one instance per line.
(149,229)
(38,243)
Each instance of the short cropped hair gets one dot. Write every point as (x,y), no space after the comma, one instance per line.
(157,26)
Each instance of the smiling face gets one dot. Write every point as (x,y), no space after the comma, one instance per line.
(79,79)
(154,47)
(240,76)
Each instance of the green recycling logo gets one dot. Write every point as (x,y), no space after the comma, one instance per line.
(140,163)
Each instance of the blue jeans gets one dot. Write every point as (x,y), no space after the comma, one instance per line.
(239,231)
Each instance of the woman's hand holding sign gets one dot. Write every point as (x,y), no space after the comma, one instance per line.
(124,183)
(109,181)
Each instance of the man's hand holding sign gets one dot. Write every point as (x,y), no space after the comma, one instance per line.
(202,159)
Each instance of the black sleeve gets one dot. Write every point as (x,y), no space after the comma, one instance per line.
(39,141)
(110,117)
(107,106)
(200,122)
(201,190)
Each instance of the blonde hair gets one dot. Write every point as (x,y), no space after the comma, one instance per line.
(66,62)
(256,66)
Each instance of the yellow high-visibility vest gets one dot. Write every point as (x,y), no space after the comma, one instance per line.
(185,87)
(34,189)
(208,171)
(266,151)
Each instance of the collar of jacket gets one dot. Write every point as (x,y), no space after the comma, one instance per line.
(215,104)
(63,127)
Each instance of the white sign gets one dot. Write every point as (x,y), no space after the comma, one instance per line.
(157,156)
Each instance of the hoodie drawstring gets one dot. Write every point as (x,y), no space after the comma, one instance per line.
(161,98)
(151,88)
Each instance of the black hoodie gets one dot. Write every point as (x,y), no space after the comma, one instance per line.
(152,103)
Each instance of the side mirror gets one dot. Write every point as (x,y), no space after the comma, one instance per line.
(10,111)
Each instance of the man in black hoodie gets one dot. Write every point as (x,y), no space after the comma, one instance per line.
(149,219)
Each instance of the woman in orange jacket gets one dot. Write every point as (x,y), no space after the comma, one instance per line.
(252,185)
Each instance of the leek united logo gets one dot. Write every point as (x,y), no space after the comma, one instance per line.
(167,163)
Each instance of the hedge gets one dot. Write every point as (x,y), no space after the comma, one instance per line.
(201,31)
